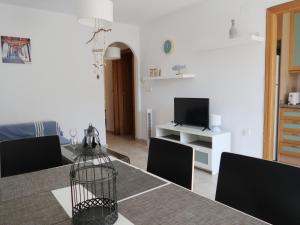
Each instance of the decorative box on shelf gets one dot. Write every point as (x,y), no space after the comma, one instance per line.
(208,146)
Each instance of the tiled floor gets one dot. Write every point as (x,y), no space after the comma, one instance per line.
(204,183)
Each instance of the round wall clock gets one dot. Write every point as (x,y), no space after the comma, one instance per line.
(168,45)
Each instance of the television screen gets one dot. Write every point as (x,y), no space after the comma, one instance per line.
(192,111)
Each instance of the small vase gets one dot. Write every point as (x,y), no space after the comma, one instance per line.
(233,31)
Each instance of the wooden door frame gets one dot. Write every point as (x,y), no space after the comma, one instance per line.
(116,69)
(115,80)
(270,74)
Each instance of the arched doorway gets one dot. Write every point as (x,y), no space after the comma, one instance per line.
(119,93)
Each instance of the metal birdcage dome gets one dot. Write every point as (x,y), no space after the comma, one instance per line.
(93,184)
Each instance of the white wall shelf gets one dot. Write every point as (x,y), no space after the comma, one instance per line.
(182,76)
(208,146)
(231,43)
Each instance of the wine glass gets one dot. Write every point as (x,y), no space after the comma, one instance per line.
(74,141)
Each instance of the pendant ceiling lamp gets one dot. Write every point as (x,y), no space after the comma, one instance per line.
(95,12)
(99,15)
(113,53)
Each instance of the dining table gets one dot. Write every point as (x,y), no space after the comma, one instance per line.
(143,199)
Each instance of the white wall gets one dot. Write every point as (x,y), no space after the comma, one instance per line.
(59,84)
(233,78)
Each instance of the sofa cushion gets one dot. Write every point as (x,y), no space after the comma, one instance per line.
(49,128)
(17,131)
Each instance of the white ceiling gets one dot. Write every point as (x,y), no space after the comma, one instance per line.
(125,11)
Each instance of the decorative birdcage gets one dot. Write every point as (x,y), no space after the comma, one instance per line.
(93,184)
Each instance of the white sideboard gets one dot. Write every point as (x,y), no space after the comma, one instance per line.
(208,145)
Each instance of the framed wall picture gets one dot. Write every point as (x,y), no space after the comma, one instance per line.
(15,50)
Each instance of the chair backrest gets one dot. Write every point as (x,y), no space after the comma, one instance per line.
(264,189)
(28,155)
(171,161)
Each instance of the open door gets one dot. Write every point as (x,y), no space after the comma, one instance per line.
(120,106)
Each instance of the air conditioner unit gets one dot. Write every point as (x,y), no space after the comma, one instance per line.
(149,124)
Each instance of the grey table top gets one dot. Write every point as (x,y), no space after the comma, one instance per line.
(143,199)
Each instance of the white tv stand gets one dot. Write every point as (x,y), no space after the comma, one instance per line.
(208,146)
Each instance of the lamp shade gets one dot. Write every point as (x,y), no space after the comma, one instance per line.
(216,120)
(112,53)
(95,12)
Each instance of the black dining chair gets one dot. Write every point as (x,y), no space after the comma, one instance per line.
(28,155)
(171,161)
(264,189)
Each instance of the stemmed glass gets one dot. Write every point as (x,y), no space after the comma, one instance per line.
(74,141)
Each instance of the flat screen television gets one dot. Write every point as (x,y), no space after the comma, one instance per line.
(191,111)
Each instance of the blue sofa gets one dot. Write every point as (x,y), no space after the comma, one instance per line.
(10,132)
